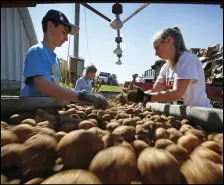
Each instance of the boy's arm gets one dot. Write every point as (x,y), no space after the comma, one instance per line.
(78,85)
(51,89)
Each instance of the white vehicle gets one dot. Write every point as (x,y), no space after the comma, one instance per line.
(104,77)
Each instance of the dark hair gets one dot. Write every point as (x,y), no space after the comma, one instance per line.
(179,43)
(90,68)
(54,21)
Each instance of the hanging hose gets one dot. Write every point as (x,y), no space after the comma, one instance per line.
(67,78)
(87,41)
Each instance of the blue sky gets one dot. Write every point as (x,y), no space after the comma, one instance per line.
(201,26)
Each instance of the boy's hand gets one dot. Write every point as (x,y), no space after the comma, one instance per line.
(97,100)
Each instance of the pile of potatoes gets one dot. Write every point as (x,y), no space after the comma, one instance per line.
(125,143)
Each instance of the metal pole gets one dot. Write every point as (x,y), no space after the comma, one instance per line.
(76,37)
(134,13)
(96,11)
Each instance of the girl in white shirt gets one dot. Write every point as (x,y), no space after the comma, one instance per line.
(182,75)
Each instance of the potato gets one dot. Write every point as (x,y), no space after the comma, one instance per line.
(172,118)
(92,116)
(62,112)
(15,119)
(218,138)
(82,114)
(137,112)
(8,137)
(157,118)
(71,111)
(120,121)
(114,165)
(129,122)
(97,131)
(145,113)
(158,166)
(127,132)
(150,114)
(160,133)
(89,110)
(180,153)
(76,116)
(4,124)
(122,116)
(212,146)
(189,142)
(144,138)
(129,111)
(59,135)
(110,140)
(47,131)
(43,115)
(112,126)
(74,176)
(106,117)
(94,121)
(144,129)
(174,134)
(205,153)
(36,180)
(39,153)
(85,124)
(24,131)
(3,179)
(167,125)
(78,147)
(202,171)
(11,156)
(139,122)
(44,124)
(136,118)
(138,146)
(100,113)
(111,112)
(198,133)
(185,122)
(14,181)
(68,123)
(184,128)
(31,122)
(163,143)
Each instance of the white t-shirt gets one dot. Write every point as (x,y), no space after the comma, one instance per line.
(84,84)
(188,67)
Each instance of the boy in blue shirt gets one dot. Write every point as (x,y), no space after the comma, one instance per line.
(84,83)
(42,71)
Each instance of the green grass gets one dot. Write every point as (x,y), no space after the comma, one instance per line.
(110,88)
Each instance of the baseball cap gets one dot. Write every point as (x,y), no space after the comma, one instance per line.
(57,15)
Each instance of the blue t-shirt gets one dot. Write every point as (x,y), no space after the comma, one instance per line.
(83,84)
(40,61)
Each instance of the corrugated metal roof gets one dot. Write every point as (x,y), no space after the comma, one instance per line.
(14,43)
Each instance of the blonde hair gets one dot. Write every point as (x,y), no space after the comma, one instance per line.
(179,43)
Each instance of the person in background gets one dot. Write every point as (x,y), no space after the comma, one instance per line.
(182,76)
(84,83)
(41,69)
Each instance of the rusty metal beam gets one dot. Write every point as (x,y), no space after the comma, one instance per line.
(14,4)
(95,11)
